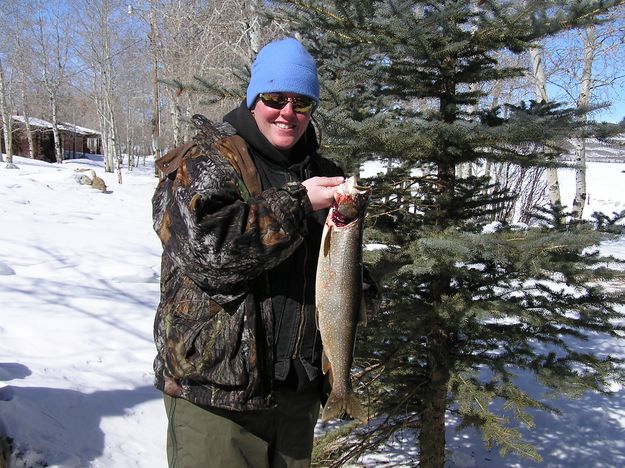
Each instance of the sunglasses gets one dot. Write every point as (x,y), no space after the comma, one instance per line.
(301,104)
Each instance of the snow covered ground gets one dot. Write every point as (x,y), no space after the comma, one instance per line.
(79,274)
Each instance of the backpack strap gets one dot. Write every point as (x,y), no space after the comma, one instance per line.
(223,137)
(234,149)
(171,161)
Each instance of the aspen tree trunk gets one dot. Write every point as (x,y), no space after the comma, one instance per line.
(110,160)
(58,150)
(496,95)
(540,87)
(101,107)
(590,44)
(7,121)
(156,116)
(100,51)
(579,201)
(25,98)
(26,114)
(186,134)
(53,73)
(129,139)
(254,10)
(115,152)
(108,163)
(176,117)
(114,157)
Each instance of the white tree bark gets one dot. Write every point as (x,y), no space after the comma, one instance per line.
(103,129)
(495,96)
(58,149)
(7,120)
(22,66)
(106,75)
(129,139)
(253,10)
(540,89)
(590,46)
(100,48)
(26,114)
(176,117)
(53,47)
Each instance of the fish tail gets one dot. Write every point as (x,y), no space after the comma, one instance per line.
(339,406)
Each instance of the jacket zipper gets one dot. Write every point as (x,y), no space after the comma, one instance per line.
(302,316)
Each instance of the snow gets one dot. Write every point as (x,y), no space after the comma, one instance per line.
(79,273)
(61,125)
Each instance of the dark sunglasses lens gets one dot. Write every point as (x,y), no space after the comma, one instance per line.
(302,105)
(277,101)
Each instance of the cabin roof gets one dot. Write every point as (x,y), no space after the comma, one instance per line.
(61,125)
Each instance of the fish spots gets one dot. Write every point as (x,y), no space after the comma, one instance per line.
(338,294)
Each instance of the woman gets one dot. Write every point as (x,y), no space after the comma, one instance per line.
(240,215)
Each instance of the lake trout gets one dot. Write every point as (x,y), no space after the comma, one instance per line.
(339,296)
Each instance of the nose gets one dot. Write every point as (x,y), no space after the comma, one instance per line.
(288,109)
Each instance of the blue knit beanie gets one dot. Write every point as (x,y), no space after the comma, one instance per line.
(283,66)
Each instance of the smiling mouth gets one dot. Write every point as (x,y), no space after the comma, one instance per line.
(284,126)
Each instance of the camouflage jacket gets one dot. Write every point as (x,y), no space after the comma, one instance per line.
(220,234)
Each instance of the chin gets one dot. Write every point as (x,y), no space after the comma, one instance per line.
(284,145)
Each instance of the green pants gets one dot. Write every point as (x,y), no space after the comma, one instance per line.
(281,437)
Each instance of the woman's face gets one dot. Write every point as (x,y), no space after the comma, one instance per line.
(282,127)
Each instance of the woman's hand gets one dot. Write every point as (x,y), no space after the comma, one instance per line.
(321,190)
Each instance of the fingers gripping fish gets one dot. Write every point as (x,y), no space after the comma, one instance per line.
(339,296)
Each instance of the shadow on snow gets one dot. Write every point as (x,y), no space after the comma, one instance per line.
(59,418)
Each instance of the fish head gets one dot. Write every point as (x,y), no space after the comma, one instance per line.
(350,202)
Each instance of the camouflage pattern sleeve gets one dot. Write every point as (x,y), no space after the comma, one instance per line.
(217,235)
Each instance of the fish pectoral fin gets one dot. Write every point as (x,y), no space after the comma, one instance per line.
(326,239)
(326,367)
(325,364)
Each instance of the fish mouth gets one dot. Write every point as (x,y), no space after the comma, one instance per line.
(340,219)
(350,201)
(350,187)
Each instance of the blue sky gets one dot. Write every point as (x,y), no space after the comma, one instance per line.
(564,57)
(615,114)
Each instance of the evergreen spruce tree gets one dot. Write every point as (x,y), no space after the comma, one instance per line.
(469,305)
